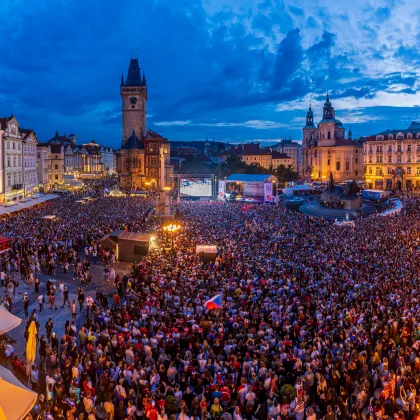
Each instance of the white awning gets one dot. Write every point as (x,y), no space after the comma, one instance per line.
(8,321)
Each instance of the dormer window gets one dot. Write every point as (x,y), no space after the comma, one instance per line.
(380,137)
(390,137)
(409,136)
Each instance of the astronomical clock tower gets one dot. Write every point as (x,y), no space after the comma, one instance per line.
(133,93)
(140,165)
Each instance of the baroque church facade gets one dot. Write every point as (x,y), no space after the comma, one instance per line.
(143,152)
(326,149)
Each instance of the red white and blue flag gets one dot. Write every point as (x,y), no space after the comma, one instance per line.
(214,303)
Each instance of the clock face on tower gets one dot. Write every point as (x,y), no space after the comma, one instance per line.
(133,100)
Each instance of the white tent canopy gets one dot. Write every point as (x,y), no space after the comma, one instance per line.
(15,399)
(7,320)
(296,190)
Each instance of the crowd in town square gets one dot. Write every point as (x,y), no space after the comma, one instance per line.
(316,321)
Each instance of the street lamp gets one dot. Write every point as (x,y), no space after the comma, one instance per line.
(171,228)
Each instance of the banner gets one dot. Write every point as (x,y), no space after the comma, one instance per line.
(268,192)
(222,187)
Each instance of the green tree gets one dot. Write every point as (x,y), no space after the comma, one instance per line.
(285,174)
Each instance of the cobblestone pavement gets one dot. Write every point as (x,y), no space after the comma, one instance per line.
(61,315)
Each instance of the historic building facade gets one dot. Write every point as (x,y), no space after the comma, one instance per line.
(43,160)
(143,152)
(30,171)
(392,158)
(13,158)
(292,149)
(326,150)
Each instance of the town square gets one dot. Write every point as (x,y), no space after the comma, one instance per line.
(232,229)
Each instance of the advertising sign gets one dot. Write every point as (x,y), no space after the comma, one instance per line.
(268,192)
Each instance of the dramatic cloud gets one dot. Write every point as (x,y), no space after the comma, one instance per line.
(234,70)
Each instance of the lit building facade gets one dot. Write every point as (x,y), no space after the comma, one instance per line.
(326,150)
(13,158)
(30,172)
(43,161)
(293,150)
(392,159)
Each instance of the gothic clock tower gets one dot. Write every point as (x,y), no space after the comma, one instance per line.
(133,93)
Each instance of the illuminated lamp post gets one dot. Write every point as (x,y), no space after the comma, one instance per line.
(171,228)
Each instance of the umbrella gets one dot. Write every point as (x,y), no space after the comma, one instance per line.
(31,344)
(15,399)
(7,320)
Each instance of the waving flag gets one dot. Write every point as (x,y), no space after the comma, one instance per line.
(214,303)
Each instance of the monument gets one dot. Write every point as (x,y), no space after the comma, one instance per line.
(337,197)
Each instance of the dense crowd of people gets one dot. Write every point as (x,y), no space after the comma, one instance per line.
(318,321)
(45,245)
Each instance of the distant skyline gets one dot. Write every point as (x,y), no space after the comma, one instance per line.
(242,70)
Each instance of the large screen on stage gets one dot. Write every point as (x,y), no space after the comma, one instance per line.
(196,187)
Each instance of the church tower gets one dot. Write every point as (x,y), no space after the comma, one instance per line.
(309,131)
(133,91)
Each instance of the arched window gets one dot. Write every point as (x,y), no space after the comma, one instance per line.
(337,166)
(329,135)
(356,173)
(347,166)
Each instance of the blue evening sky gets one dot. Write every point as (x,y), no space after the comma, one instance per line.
(237,70)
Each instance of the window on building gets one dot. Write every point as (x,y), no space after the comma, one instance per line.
(329,135)
(356,173)
(378,171)
(389,170)
(370,170)
(347,166)
(154,147)
(389,159)
(409,148)
(337,166)
(356,161)
(409,170)
(8,161)
(56,166)
(9,180)
(408,159)
(389,148)
(56,176)
(14,160)
(370,159)
(418,170)
(398,159)
(409,136)
(399,148)
(328,162)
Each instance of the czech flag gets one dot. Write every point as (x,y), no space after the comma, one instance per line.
(214,303)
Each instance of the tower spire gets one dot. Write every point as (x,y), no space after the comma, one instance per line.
(328,98)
